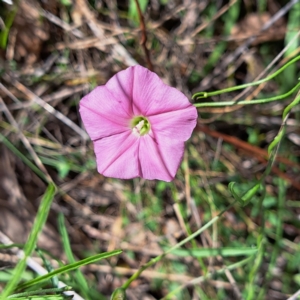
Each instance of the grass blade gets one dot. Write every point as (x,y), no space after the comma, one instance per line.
(38,225)
(70,267)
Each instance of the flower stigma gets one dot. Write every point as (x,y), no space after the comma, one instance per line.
(140,126)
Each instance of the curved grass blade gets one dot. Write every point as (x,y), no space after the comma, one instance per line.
(30,245)
(69,267)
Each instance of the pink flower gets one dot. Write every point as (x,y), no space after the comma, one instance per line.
(138,125)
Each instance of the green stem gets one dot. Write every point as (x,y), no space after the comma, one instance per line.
(261,241)
(200,95)
(248,102)
(285,115)
(291,105)
(256,266)
(279,232)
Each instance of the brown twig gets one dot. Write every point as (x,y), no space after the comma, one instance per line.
(25,141)
(35,99)
(144,36)
(259,153)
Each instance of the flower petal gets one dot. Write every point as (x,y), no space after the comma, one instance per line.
(117,156)
(153,163)
(121,86)
(103,114)
(171,152)
(177,125)
(151,96)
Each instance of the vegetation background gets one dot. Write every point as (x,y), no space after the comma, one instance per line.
(54,52)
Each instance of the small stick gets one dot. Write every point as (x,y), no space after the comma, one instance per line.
(144,36)
(25,141)
(295,296)
(257,152)
(34,98)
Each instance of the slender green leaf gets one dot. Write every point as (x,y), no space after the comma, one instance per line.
(67,247)
(38,225)
(14,150)
(293,28)
(41,292)
(70,267)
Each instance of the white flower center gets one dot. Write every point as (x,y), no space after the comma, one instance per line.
(137,129)
(140,126)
